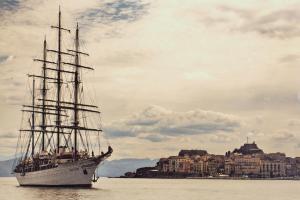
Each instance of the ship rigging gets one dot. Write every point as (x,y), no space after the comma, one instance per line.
(56,143)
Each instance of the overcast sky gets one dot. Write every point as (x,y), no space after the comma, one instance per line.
(170,74)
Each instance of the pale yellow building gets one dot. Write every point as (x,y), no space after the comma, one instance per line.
(180,164)
(198,167)
(272,168)
(246,165)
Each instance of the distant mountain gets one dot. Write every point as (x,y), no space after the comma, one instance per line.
(116,168)
(113,168)
(3,158)
(5,168)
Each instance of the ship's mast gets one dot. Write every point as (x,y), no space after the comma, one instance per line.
(44,93)
(33,118)
(58,117)
(76,88)
(59,79)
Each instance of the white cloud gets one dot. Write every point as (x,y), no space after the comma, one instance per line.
(156,121)
(281,23)
(283,136)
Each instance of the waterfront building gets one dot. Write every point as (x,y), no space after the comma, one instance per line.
(297,166)
(198,167)
(229,166)
(211,167)
(272,168)
(173,160)
(163,165)
(291,167)
(247,165)
(180,164)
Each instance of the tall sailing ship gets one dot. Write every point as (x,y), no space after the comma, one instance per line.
(60,131)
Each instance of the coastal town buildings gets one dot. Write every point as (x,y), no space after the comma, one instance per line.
(247,161)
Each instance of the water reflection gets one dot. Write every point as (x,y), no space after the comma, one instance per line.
(53,193)
(160,189)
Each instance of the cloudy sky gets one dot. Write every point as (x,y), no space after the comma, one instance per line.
(170,74)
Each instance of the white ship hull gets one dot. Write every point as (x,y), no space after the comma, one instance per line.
(79,173)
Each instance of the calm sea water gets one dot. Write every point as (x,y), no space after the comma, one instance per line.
(159,189)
